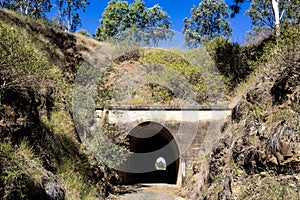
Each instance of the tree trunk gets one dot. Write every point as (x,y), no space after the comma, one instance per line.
(275,4)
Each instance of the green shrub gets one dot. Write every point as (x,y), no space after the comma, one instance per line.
(83,32)
(16,176)
(107,146)
(213,83)
(20,63)
(230,59)
(172,60)
(288,43)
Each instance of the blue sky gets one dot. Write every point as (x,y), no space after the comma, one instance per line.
(177,10)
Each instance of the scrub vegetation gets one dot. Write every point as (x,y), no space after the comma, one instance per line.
(43,157)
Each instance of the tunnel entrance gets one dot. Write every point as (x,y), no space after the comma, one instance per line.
(155,158)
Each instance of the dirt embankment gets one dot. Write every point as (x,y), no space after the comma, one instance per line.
(40,155)
(258,156)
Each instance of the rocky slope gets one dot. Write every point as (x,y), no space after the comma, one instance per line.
(258,155)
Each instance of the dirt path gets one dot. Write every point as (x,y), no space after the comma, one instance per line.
(150,192)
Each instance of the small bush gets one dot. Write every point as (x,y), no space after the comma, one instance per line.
(230,59)
(107,146)
(17,177)
(84,33)
(288,43)
(20,63)
(171,60)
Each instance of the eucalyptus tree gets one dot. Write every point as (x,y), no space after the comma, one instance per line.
(269,14)
(33,8)
(111,20)
(121,21)
(68,10)
(69,18)
(208,20)
(160,24)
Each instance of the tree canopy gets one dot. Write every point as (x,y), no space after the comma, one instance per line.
(111,21)
(158,21)
(120,20)
(268,15)
(207,21)
(68,16)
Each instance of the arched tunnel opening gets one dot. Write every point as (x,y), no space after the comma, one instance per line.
(155,156)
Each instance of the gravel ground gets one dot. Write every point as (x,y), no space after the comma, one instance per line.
(151,192)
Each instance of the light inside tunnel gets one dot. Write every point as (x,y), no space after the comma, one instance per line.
(157,156)
(160,164)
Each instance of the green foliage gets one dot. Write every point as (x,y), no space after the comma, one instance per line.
(292,12)
(71,163)
(158,25)
(107,147)
(83,32)
(161,94)
(178,63)
(121,21)
(74,180)
(282,49)
(198,72)
(23,66)
(16,178)
(263,15)
(37,9)
(28,53)
(207,21)
(136,17)
(20,62)
(213,89)
(11,176)
(68,17)
(230,59)
(170,59)
(288,43)
(111,20)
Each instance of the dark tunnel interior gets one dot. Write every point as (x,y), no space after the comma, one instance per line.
(158,159)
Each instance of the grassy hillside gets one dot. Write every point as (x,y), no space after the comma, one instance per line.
(40,156)
(170,77)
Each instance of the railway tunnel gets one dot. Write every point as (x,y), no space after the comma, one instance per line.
(155,156)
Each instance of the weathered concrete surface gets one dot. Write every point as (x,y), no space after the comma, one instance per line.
(194,131)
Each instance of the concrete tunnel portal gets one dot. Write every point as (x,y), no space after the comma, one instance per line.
(155,158)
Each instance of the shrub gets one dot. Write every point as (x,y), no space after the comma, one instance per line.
(83,32)
(107,146)
(288,43)
(230,60)
(20,63)
(19,179)
(171,60)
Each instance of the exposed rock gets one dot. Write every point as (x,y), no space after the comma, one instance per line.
(286,84)
(52,188)
(260,142)
(196,168)
(226,193)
